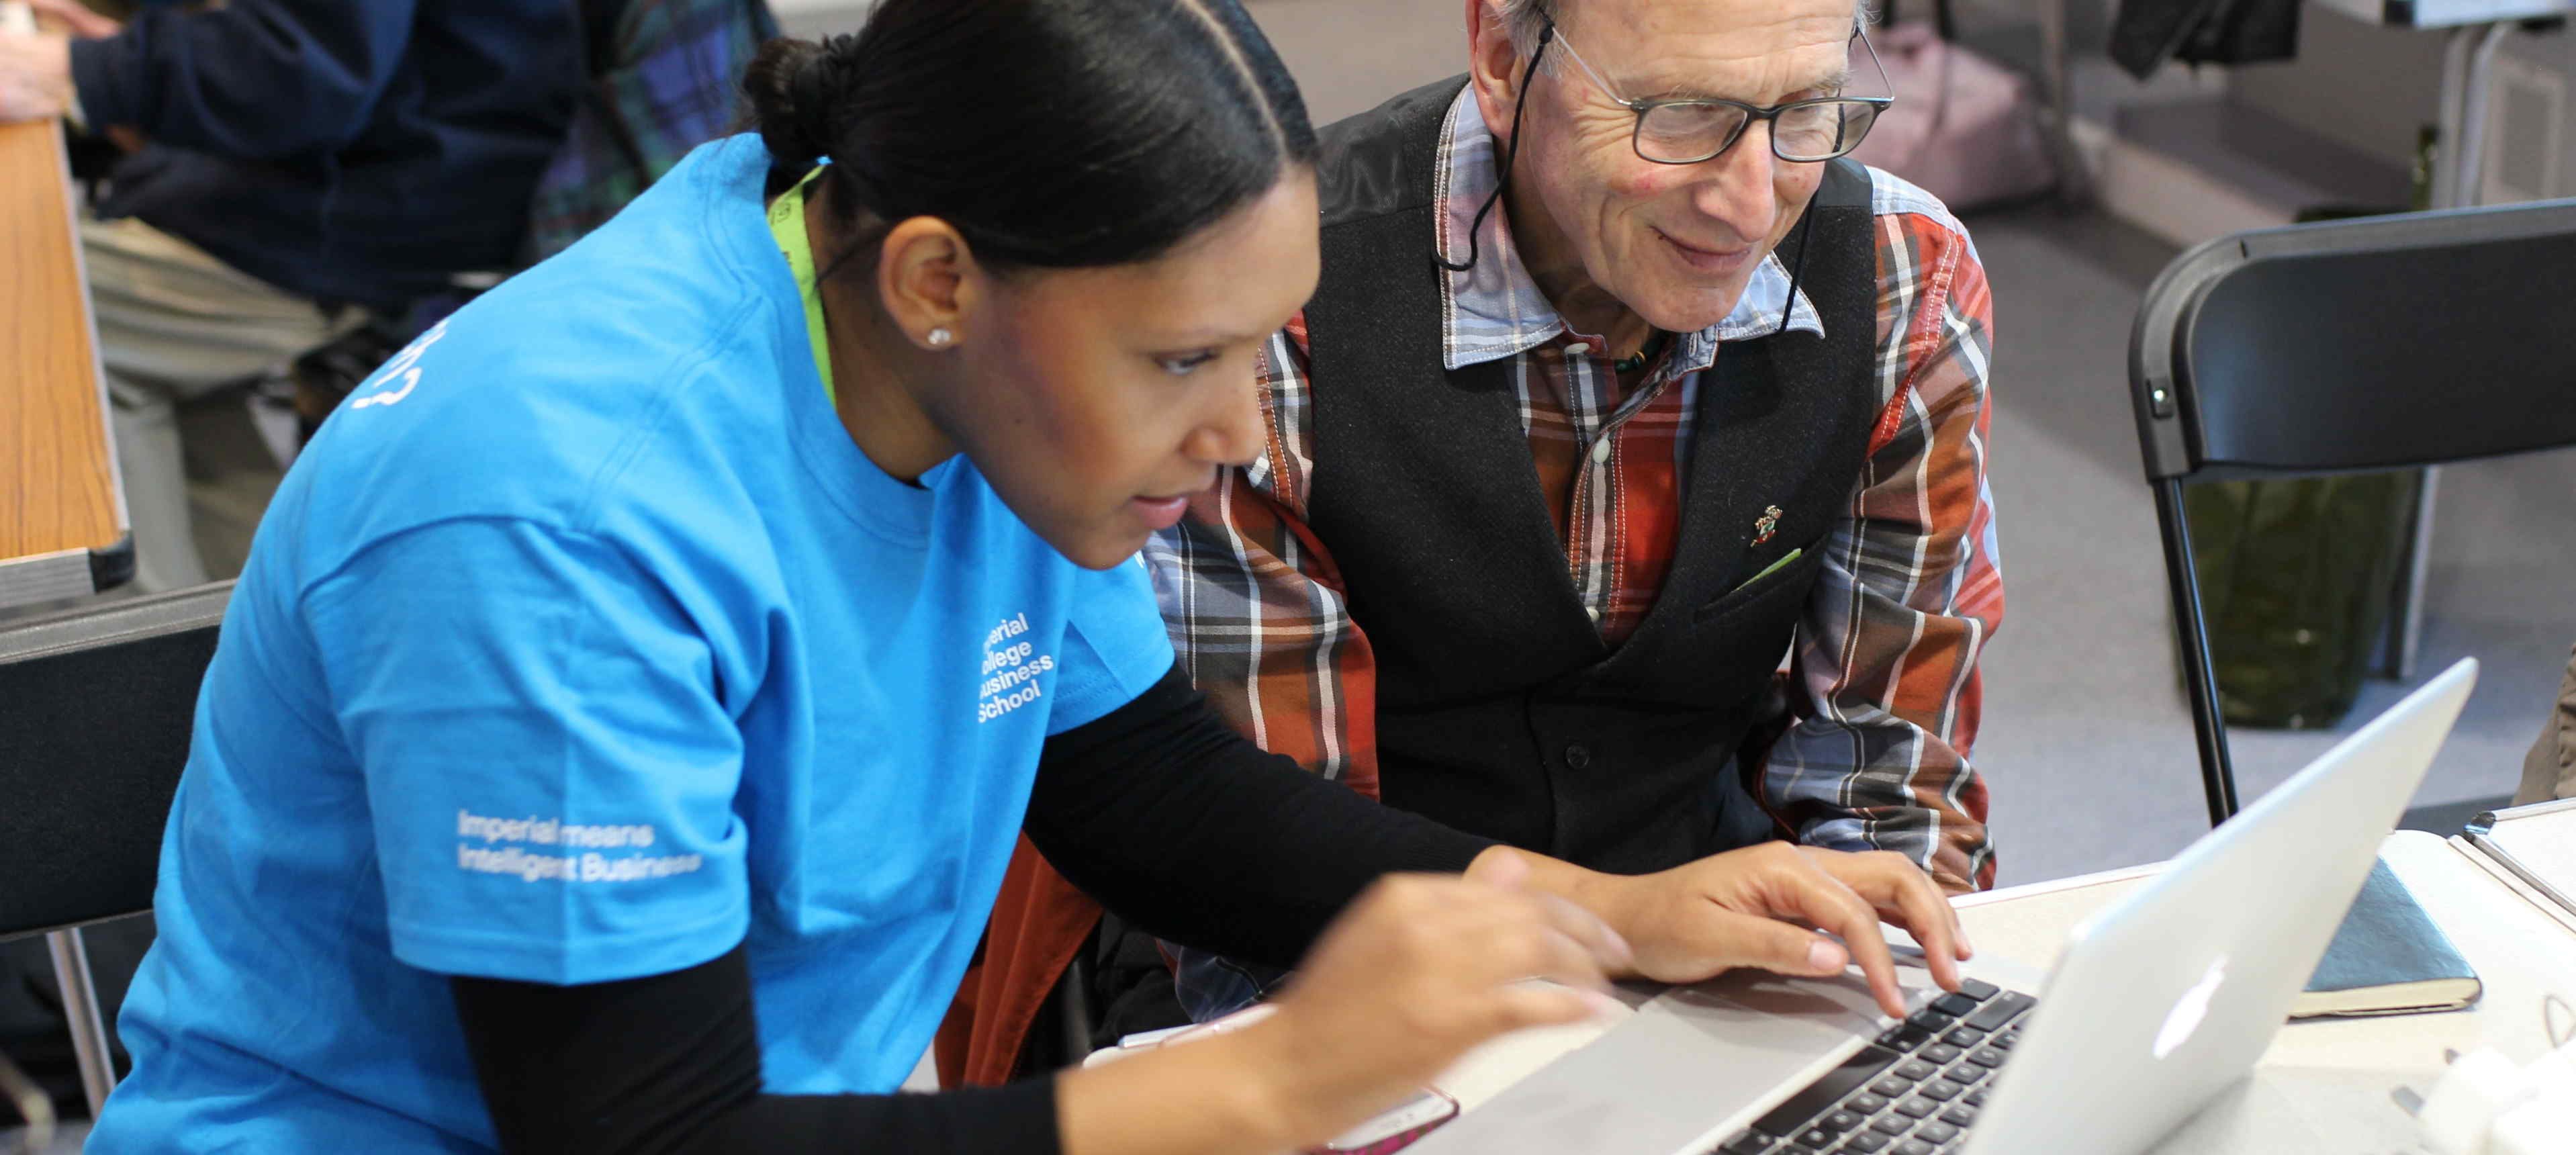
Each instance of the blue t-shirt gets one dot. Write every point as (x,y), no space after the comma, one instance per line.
(582,645)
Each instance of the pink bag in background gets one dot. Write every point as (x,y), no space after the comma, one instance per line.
(1963,127)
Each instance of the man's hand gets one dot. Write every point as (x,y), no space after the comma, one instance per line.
(35,76)
(1760,907)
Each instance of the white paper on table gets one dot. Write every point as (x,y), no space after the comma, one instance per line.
(2537,843)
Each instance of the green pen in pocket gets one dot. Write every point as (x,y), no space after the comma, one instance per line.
(1774,567)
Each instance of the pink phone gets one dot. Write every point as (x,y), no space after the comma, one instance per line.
(1395,1128)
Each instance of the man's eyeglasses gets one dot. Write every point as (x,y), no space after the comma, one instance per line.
(1694,129)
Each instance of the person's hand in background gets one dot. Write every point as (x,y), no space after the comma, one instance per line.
(59,18)
(68,16)
(35,76)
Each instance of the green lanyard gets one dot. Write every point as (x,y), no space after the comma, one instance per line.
(787,224)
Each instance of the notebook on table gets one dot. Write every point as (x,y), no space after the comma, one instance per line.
(2388,958)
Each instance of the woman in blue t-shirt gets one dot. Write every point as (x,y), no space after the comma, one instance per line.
(635,692)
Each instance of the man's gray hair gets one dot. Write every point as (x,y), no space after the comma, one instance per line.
(1522,20)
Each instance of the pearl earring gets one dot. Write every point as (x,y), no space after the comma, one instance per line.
(939,338)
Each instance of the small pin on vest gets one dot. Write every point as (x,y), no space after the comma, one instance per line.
(1766,525)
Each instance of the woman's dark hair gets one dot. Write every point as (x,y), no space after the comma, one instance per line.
(1050,133)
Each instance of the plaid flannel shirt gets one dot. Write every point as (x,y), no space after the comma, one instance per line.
(661,85)
(1882,684)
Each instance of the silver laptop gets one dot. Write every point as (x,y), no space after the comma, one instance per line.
(2158,1002)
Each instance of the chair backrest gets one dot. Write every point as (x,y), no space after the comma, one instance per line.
(96,708)
(2380,343)
(2377,343)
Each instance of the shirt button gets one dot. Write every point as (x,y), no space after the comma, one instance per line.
(1577,348)
(1601,450)
(1593,612)
(1578,756)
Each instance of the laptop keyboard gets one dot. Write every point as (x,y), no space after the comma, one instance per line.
(1915,1091)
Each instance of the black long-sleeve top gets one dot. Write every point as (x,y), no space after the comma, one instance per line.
(1159,810)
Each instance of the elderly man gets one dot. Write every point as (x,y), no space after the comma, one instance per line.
(1623,393)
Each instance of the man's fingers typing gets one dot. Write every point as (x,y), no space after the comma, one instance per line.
(1822,900)
(1904,896)
(1923,910)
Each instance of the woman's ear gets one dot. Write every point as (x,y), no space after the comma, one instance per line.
(928,280)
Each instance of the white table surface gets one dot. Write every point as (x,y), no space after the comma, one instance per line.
(2324,1085)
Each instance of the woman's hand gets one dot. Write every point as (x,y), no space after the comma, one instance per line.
(1420,969)
(1415,972)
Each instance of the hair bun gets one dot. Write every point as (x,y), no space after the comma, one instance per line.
(793,85)
(1048,133)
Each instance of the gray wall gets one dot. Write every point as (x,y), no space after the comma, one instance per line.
(2556,53)
(2363,86)
(1347,55)
(2369,88)
(2359,85)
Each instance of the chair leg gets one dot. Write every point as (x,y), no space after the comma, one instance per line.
(2209,725)
(80,1006)
(2074,181)
(1074,1005)
(2415,557)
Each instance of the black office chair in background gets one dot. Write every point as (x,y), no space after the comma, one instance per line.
(2384,343)
(96,709)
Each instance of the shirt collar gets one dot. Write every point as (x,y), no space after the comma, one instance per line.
(1495,309)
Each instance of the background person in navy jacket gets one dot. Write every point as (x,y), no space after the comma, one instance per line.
(293,163)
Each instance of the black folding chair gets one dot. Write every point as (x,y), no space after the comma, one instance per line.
(2382,343)
(96,708)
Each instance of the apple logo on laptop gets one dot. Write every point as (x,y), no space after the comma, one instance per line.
(2190,1009)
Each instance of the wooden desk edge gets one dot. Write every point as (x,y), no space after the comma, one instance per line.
(110,545)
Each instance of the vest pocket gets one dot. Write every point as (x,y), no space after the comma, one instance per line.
(1796,575)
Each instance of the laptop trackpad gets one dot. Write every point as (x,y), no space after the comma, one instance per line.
(1684,1063)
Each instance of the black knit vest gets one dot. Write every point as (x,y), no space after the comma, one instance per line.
(1500,710)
